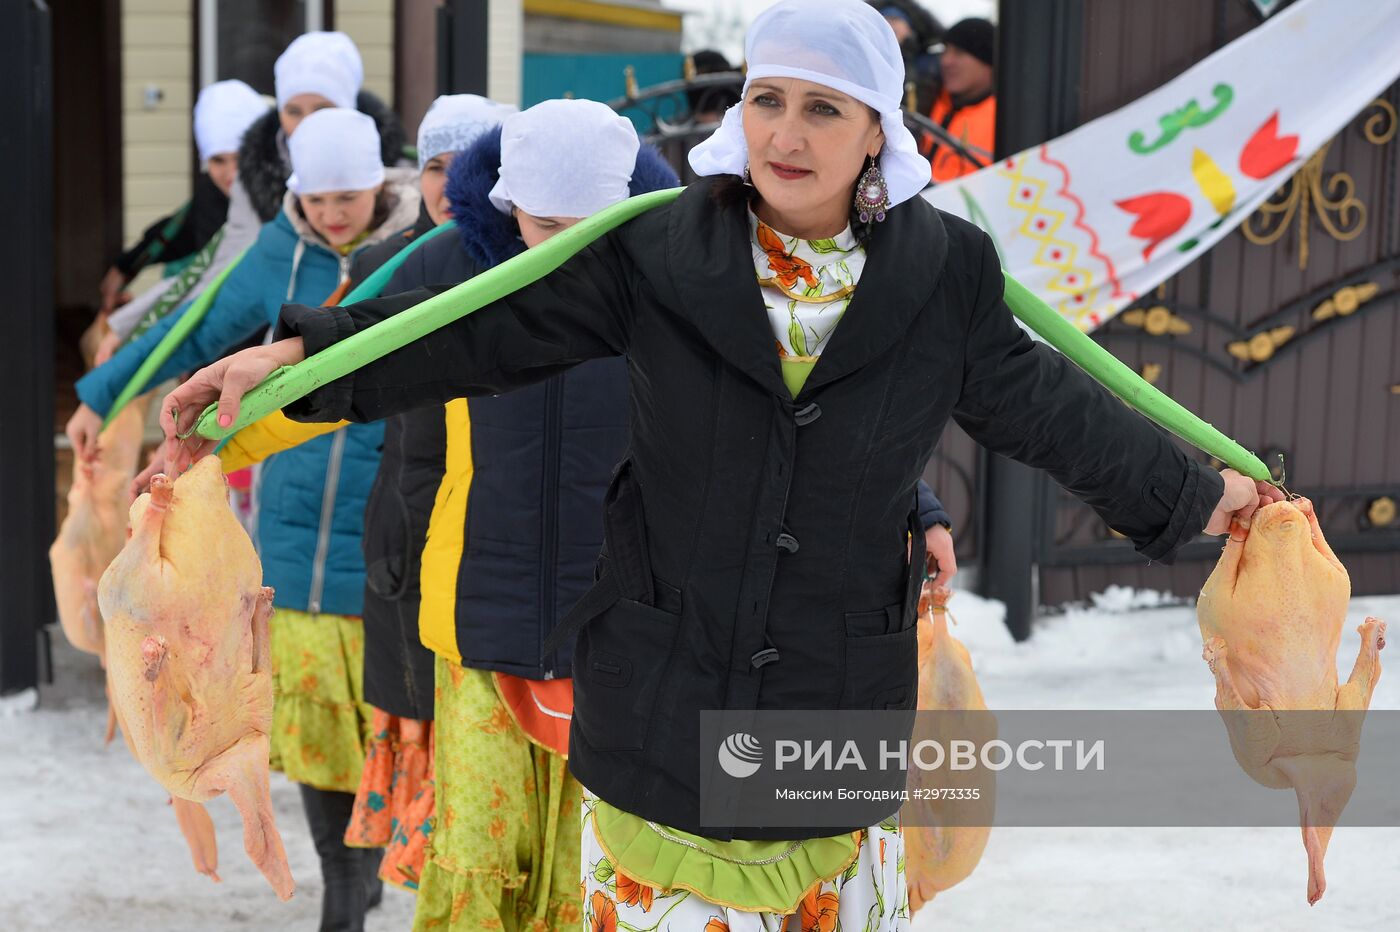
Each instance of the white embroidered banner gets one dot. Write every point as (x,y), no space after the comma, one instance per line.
(1103,214)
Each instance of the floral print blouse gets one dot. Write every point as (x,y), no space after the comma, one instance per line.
(806,285)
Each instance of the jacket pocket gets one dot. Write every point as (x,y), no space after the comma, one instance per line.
(625,536)
(620,663)
(870,624)
(914,580)
(386,545)
(881,669)
(387,561)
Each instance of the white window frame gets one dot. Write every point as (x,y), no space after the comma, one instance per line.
(209,35)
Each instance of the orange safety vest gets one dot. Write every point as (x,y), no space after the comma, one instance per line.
(974,124)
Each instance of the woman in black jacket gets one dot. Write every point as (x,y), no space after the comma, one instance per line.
(757,531)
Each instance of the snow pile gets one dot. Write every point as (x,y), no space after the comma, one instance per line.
(26,700)
(1126,598)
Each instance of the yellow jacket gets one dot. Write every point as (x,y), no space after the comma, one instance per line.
(446,543)
(442,554)
(272,434)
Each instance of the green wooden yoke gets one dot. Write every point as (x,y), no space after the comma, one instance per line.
(293,382)
(369,288)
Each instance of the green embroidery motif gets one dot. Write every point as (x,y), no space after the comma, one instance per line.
(1175,123)
(172,297)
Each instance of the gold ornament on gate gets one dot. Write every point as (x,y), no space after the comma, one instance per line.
(1262,346)
(1345,301)
(1157,321)
(1332,197)
(1380,127)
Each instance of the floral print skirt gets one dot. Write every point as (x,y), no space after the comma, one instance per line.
(395,803)
(869,896)
(503,853)
(320,722)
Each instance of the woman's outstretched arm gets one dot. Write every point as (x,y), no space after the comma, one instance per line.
(581,311)
(1023,400)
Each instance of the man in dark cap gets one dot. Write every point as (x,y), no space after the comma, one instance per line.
(967,105)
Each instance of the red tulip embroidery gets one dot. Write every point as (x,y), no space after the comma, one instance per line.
(1267,151)
(1159,215)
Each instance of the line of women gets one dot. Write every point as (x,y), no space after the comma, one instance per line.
(496,576)
(730,399)
(475,812)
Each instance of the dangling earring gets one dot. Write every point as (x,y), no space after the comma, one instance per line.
(748,179)
(872,194)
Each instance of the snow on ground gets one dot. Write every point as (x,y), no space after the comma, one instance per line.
(87,843)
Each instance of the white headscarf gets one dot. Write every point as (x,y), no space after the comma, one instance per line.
(454,121)
(335,150)
(223,112)
(565,158)
(845,45)
(325,63)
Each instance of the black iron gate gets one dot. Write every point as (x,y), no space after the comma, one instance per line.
(1285,335)
(26,354)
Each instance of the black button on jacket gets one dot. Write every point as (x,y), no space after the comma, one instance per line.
(719,467)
